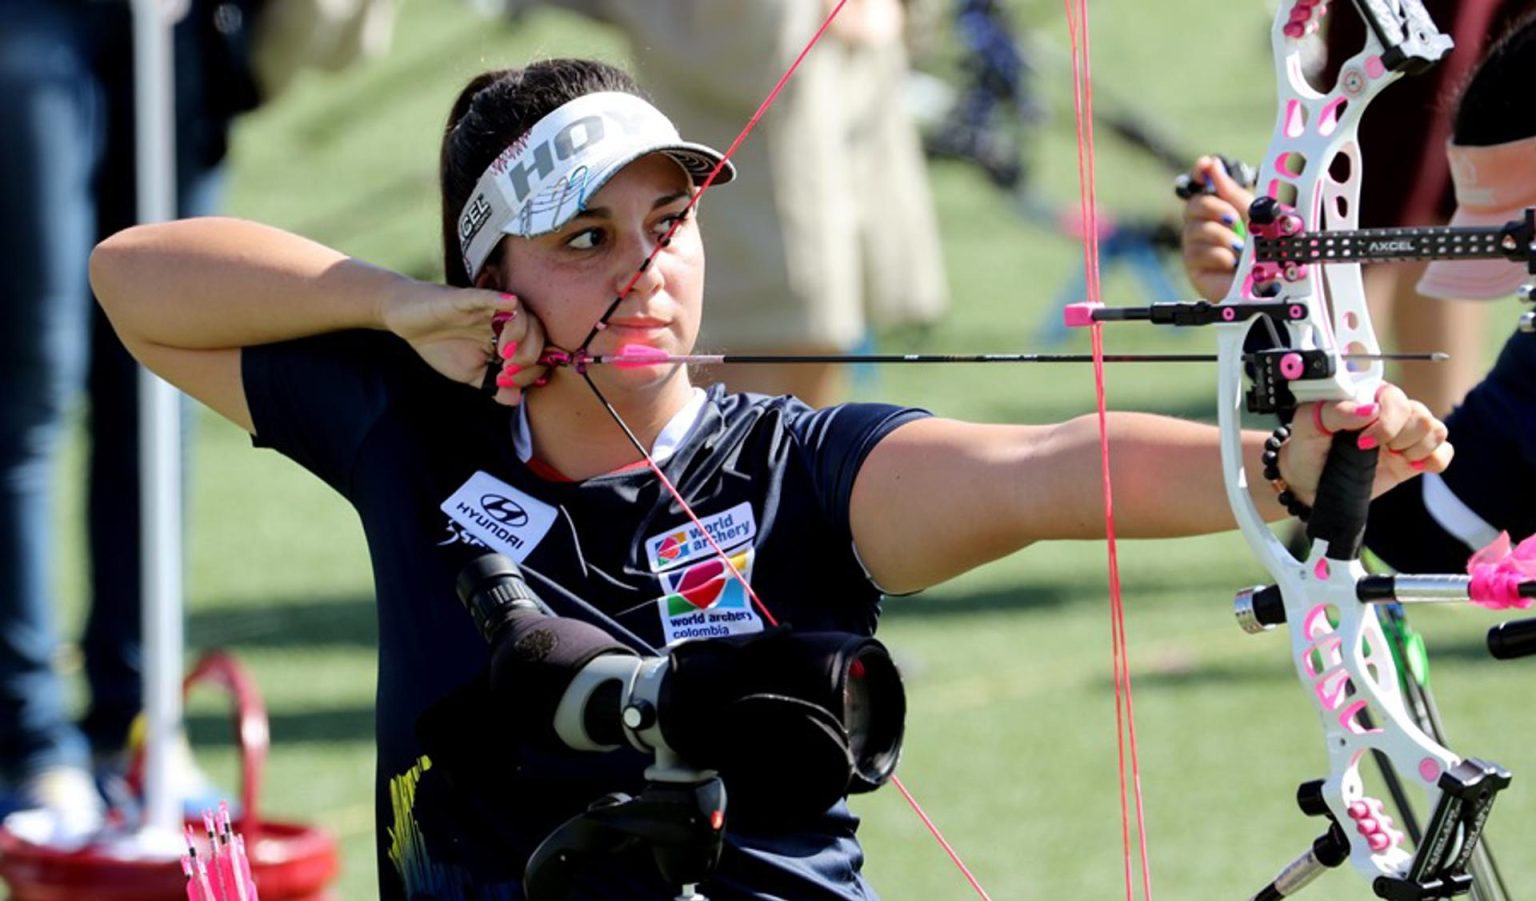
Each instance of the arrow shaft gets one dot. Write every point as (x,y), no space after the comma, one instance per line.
(750,359)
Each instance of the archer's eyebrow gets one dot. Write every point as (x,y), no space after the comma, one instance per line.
(602,212)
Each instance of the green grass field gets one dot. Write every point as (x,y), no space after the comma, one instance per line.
(1010,741)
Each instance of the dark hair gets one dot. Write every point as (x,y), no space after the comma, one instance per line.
(1495,107)
(494,110)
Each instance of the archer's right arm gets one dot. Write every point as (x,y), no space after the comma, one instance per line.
(186,296)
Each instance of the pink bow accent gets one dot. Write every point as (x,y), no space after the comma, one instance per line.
(1498,572)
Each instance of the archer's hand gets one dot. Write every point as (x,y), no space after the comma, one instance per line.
(1211,241)
(1411,439)
(461,332)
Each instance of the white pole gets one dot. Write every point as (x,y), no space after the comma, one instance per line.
(159,441)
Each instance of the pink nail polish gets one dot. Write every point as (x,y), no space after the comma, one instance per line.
(1366,442)
(1417,465)
(508,349)
(504,380)
(1366,411)
(511,369)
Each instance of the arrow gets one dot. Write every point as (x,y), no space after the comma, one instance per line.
(633,356)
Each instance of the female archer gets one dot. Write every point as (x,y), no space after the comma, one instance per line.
(563,189)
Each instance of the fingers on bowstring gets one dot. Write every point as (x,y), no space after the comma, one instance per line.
(477,305)
(506,328)
(520,346)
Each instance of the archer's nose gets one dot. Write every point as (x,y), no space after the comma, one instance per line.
(645,277)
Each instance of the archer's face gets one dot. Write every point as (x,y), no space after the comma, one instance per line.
(569,277)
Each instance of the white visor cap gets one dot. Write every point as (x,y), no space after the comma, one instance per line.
(545,178)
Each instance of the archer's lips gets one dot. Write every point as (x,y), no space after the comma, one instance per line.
(637,330)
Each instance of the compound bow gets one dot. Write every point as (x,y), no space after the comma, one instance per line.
(1306,318)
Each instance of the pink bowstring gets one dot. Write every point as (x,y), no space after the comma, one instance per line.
(1498,572)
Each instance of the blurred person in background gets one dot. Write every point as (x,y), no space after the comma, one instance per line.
(1435,523)
(67,151)
(830,232)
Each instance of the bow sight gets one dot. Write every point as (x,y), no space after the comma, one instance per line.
(718,714)
(1283,249)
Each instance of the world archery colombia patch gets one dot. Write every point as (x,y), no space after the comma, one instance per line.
(504,518)
(701,597)
(686,543)
(707,600)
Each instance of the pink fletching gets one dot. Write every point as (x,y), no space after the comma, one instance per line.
(186,867)
(1498,572)
(243,866)
(204,886)
(226,877)
(633,356)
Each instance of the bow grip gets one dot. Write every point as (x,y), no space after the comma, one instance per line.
(1343,497)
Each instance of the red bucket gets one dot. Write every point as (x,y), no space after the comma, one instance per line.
(289,862)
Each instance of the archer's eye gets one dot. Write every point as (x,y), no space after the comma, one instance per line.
(666,222)
(585,240)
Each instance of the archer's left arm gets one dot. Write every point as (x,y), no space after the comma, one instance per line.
(938,497)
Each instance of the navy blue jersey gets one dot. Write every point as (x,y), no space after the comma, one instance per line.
(1493,475)
(429,466)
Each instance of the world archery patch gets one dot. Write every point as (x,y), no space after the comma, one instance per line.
(706,600)
(687,544)
(507,520)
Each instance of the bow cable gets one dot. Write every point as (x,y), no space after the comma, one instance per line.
(1125,714)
